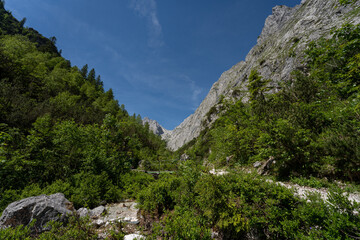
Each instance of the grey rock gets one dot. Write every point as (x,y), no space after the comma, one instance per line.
(41,208)
(278,52)
(98,211)
(83,212)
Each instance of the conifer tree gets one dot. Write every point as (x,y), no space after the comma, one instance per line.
(84,70)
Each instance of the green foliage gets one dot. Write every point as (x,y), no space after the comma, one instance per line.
(182,224)
(89,190)
(238,205)
(346,2)
(18,233)
(133,182)
(159,196)
(76,228)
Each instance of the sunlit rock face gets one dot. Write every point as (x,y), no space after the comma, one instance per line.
(279,51)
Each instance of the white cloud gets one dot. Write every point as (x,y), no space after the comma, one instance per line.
(147,9)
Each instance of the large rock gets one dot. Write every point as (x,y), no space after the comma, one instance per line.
(41,208)
(278,52)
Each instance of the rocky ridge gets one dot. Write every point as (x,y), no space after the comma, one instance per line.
(278,52)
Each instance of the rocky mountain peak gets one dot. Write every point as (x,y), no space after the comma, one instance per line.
(280,15)
(155,127)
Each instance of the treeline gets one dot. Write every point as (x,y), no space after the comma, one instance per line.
(309,125)
(59,129)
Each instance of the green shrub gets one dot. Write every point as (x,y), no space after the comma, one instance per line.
(134,182)
(182,224)
(17,233)
(160,195)
(89,190)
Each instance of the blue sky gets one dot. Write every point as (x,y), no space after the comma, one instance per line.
(160,57)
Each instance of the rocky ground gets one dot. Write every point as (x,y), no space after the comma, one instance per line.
(116,216)
(300,191)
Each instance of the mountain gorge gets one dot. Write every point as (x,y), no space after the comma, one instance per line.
(278,52)
(273,151)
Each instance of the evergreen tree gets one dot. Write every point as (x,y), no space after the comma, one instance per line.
(92,76)
(84,71)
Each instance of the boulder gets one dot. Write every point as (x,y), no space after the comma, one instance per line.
(98,211)
(41,208)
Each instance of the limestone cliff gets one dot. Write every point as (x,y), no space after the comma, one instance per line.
(277,53)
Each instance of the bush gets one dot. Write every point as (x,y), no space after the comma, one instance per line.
(160,195)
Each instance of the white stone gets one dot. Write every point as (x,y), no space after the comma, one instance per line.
(133,237)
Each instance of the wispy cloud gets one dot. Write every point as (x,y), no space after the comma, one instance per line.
(147,9)
(195,92)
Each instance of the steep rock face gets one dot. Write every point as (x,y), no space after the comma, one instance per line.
(277,53)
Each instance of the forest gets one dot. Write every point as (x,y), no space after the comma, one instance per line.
(60,131)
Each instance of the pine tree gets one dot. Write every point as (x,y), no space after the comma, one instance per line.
(92,76)
(84,70)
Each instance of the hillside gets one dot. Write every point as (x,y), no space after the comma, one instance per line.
(59,128)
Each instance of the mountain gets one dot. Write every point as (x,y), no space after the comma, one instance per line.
(155,127)
(278,52)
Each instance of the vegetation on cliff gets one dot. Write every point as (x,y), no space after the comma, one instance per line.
(310,125)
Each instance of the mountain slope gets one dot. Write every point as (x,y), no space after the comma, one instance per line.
(278,52)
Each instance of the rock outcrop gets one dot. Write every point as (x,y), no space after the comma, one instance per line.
(278,52)
(41,208)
